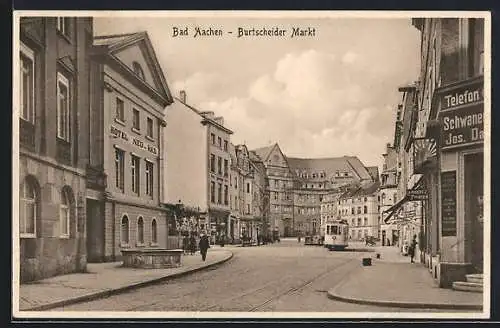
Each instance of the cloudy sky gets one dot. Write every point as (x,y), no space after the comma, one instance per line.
(333,94)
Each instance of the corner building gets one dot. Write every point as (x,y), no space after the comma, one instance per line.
(53,104)
(130,96)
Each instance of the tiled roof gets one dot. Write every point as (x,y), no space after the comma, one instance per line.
(373,171)
(330,165)
(254,157)
(264,152)
(361,190)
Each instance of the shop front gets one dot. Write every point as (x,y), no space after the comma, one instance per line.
(460,117)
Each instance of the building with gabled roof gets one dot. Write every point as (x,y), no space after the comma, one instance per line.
(129,97)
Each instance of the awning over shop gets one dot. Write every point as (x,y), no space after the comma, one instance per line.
(394,208)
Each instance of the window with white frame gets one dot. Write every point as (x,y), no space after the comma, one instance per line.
(65,213)
(63,25)
(124,230)
(150,128)
(154,232)
(135,169)
(136,119)
(119,169)
(63,107)
(27,84)
(149,178)
(28,209)
(120,110)
(140,231)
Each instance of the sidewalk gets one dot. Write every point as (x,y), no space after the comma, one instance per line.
(105,279)
(394,282)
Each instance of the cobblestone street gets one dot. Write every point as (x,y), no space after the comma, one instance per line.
(280,277)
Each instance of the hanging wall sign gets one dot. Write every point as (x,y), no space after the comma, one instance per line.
(449,203)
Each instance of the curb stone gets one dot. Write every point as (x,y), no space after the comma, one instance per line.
(119,290)
(334,295)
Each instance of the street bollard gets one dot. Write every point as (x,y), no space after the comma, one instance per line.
(378,255)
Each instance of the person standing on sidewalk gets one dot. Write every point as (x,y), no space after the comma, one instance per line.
(204,246)
(413,248)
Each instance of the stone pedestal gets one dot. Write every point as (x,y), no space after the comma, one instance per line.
(151,258)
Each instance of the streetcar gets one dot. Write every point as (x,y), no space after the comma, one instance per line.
(336,235)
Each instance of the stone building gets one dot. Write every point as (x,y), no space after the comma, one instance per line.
(329,209)
(441,137)
(53,82)
(297,187)
(449,155)
(388,195)
(359,206)
(127,115)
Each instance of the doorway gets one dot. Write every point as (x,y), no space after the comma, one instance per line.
(95,231)
(473,186)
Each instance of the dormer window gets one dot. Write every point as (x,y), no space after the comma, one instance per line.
(138,70)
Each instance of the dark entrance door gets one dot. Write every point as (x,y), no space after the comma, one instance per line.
(383,237)
(95,231)
(473,185)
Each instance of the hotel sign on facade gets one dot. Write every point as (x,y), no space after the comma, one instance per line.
(461,115)
(117,133)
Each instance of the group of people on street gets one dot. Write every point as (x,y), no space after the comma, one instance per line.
(189,245)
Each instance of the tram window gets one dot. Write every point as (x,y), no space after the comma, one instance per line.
(327,230)
(334,230)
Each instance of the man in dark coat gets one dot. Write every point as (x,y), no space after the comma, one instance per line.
(413,248)
(204,246)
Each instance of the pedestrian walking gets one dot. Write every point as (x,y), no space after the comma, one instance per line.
(412,249)
(192,244)
(204,245)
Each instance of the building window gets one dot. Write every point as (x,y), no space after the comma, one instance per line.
(352,210)
(150,128)
(63,25)
(154,232)
(226,168)
(359,221)
(226,194)
(65,213)
(213,138)
(135,169)
(136,121)
(248,209)
(236,182)
(120,110)
(225,145)
(219,139)
(27,87)
(119,169)
(212,192)
(219,193)
(140,231)
(212,163)
(366,221)
(219,165)
(353,222)
(149,178)
(125,230)
(365,209)
(248,187)
(276,183)
(138,70)
(63,107)
(395,197)
(28,200)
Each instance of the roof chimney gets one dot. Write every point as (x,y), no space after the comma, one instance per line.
(182,96)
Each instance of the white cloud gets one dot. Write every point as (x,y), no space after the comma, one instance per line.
(312,104)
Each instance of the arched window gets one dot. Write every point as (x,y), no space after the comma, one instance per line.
(28,200)
(65,209)
(125,230)
(154,232)
(140,230)
(138,70)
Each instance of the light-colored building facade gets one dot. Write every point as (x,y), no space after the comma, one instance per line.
(297,187)
(388,196)
(359,206)
(53,86)
(129,98)
(198,167)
